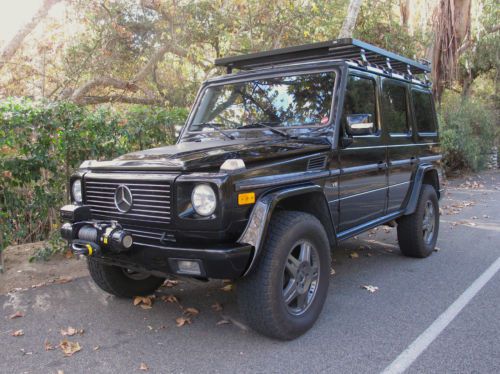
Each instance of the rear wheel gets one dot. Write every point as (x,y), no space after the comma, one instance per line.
(284,295)
(122,282)
(418,232)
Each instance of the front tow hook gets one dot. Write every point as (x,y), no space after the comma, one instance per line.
(85,248)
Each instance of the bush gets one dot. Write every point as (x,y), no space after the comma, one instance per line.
(468,131)
(41,144)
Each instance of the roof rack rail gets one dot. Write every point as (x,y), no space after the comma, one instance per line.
(343,49)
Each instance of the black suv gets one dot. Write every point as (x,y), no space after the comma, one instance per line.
(300,149)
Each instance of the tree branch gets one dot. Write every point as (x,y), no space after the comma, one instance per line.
(90,100)
(16,42)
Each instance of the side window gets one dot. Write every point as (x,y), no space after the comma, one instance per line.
(394,108)
(424,115)
(360,99)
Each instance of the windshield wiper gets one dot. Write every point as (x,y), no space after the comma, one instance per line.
(265,125)
(217,128)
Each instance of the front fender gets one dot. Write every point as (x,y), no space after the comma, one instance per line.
(256,228)
(418,180)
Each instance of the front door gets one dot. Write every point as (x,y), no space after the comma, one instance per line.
(363,167)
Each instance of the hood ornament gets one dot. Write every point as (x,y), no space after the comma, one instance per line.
(123,198)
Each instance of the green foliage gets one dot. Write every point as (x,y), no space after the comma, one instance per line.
(41,144)
(468,129)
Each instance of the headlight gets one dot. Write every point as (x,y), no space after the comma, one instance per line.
(203,200)
(76,190)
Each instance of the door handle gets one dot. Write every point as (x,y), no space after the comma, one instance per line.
(413,160)
(382,165)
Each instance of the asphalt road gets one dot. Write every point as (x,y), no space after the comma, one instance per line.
(358,331)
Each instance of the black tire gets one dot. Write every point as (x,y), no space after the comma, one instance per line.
(260,294)
(411,228)
(114,280)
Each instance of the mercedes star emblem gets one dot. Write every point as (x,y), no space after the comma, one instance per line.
(123,198)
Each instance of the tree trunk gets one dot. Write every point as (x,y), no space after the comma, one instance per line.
(451,28)
(404,9)
(350,20)
(12,47)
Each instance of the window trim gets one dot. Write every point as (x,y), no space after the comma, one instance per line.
(409,133)
(373,78)
(433,109)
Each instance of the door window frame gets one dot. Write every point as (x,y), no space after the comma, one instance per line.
(409,117)
(414,114)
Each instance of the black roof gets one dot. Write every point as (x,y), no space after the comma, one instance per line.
(342,49)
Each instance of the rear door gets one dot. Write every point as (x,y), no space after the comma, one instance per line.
(401,151)
(363,180)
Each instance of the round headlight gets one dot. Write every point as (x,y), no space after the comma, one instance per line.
(203,200)
(76,190)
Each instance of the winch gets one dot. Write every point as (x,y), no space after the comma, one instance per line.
(88,237)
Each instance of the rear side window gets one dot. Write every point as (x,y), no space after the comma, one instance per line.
(424,115)
(394,108)
(360,98)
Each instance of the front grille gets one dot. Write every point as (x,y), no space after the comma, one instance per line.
(151,201)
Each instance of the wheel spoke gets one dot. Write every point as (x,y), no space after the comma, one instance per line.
(290,291)
(314,273)
(305,253)
(302,301)
(292,265)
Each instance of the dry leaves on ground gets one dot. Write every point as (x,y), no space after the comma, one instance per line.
(191,312)
(17,314)
(143,367)
(223,322)
(217,307)
(145,302)
(17,333)
(170,299)
(181,321)
(169,283)
(228,287)
(49,346)
(71,331)
(370,288)
(69,348)
(353,255)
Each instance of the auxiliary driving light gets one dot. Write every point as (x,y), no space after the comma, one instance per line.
(188,267)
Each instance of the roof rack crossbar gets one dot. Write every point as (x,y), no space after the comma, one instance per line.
(342,49)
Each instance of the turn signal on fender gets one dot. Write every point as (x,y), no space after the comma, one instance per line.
(246,198)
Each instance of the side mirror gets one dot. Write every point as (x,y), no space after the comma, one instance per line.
(360,124)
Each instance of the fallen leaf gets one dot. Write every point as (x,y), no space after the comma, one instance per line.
(437,249)
(71,331)
(145,302)
(217,307)
(60,372)
(223,322)
(17,333)
(353,255)
(143,367)
(169,299)
(228,287)
(17,314)
(69,348)
(181,321)
(62,280)
(49,346)
(191,311)
(370,288)
(169,283)
(150,327)
(96,348)
(332,271)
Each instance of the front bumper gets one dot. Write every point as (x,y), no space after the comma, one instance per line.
(218,262)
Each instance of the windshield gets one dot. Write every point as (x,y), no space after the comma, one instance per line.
(286,102)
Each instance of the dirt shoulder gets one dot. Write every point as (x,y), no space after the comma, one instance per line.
(21,274)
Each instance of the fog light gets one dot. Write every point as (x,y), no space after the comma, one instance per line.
(188,267)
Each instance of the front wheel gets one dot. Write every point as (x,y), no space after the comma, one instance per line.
(418,232)
(122,282)
(284,295)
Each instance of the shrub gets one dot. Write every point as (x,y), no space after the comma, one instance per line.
(468,130)
(41,144)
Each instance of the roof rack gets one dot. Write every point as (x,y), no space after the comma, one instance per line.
(344,49)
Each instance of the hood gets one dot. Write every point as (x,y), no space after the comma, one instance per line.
(205,155)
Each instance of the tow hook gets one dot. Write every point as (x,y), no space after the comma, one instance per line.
(84,248)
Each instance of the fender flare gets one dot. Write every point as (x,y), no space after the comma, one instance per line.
(256,229)
(411,206)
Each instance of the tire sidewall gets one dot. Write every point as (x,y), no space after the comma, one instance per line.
(428,194)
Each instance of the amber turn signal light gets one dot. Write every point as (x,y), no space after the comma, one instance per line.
(246,198)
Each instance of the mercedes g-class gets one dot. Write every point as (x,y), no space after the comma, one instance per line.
(301,148)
